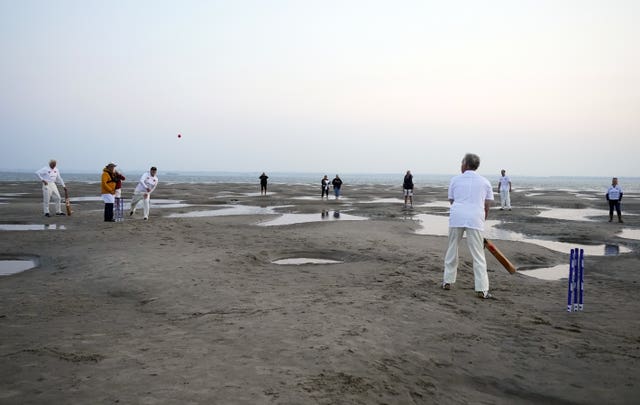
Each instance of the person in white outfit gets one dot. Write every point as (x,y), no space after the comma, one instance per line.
(504,188)
(49,175)
(470,196)
(148,182)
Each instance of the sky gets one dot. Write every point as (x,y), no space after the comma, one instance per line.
(539,88)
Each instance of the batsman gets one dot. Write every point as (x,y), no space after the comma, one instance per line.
(470,196)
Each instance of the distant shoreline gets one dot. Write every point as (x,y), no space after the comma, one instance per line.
(631,185)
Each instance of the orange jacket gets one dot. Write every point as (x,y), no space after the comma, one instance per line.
(108,184)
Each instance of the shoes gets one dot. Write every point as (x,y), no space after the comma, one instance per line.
(446,286)
(130,213)
(484,295)
(47,215)
(145,218)
(61,214)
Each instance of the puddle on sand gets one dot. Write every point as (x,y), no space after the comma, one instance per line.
(572,214)
(227,210)
(304,260)
(385,201)
(30,227)
(630,234)
(436,204)
(550,273)
(8,267)
(291,219)
(438,225)
(312,198)
(155,203)
(82,199)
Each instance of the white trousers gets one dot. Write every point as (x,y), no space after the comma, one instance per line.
(505,198)
(137,197)
(48,191)
(475,241)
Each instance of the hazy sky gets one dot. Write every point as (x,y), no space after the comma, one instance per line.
(536,87)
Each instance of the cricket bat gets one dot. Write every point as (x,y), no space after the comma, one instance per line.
(67,203)
(498,255)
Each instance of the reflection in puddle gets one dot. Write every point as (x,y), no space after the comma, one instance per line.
(312,198)
(304,260)
(630,234)
(231,194)
(30,227)
(8,267)
(438,225)
(291,219)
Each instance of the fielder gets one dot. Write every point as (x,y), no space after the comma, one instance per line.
(49,175)
(504,188)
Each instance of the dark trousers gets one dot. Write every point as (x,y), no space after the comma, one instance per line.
(614,204)
(108,212)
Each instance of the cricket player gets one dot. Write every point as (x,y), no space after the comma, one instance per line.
(148,182)
(49,175)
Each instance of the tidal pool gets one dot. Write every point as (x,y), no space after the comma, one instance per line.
(572,214)
(155,203)
(227,210)
(8,267)
(291,219)
(438,225)
(630,234)
(30,227)
(550,273)
(303,260)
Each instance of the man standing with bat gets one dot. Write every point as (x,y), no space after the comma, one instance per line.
(470,196)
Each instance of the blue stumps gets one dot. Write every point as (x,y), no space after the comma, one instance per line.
(575,289)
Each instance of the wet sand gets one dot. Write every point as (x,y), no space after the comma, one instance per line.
(193,309)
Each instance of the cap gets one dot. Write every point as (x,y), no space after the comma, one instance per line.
(112,164)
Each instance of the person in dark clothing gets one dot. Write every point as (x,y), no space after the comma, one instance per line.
(263,183)
(337,184)
(325,187)
(407,187)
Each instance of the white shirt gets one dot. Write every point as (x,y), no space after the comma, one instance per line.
(614,192)
(50,175)
(504,182)
(468,192)
(147,181)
